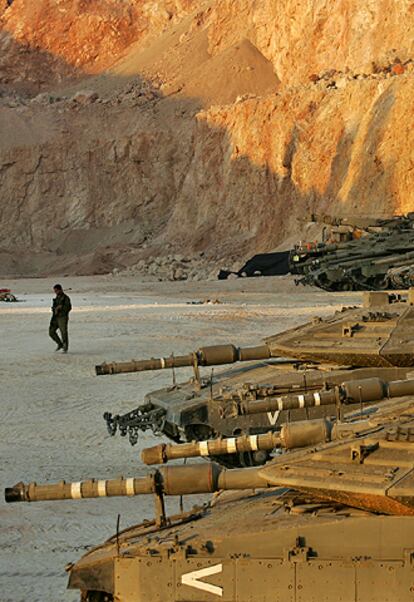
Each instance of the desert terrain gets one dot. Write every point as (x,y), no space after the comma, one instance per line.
(51,425)
(144,145)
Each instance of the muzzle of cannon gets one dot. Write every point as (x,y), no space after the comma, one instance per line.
(214,355)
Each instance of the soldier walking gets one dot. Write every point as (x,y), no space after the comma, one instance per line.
(61,307)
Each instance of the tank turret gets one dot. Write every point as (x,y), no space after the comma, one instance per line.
(291,435)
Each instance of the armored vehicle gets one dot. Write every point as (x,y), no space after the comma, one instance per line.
(7,296)
(331,520)
(375,340)
(382,258)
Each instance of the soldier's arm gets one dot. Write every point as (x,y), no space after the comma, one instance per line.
(66,304)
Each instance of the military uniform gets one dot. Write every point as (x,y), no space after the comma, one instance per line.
(61,307)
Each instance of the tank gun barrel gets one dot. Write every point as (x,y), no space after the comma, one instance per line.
(169,480)
(291,435)
(77,490)
(356,391)
(213,355)
(290,402)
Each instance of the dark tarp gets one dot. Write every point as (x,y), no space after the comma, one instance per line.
(264,264)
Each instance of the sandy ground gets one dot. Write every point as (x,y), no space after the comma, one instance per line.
(51,423)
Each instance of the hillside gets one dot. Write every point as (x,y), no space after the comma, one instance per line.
(133,129)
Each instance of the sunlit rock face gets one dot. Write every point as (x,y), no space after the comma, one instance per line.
(136,128)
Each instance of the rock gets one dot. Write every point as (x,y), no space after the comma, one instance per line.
(85,97)
(397,69)
(368,68)
(341,82)
(179,274)
(329,74)
(43,99)
(378,67)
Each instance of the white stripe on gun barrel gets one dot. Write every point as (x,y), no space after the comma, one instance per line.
(203,447)
(231,445)
(129,486)
(75,490)
(102,488)
(253,442)
(317,399)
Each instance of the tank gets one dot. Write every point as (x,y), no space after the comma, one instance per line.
(372,341)
(333,519)
(381,258)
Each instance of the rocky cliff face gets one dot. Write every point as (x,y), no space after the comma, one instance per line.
(48,41)
(219,129)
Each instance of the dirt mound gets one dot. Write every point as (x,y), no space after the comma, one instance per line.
(183,66)
(238,70)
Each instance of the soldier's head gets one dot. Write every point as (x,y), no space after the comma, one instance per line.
(58,289)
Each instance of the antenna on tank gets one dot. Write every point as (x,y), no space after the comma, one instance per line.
(118,520)
(305,386)
(174,379)
(211,384)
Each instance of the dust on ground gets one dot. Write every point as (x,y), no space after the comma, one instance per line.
(51,425)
